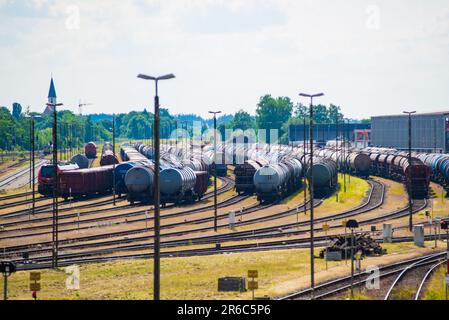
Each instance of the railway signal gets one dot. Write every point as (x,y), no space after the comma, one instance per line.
(6,268)
(157,203)
(352,224)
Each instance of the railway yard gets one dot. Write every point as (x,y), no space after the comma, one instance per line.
(262,222)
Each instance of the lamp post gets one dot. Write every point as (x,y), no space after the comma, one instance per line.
(410,221)
(157,204)
(55,186)
(215,167)
(312,254)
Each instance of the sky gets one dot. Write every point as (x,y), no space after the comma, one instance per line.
(369,57)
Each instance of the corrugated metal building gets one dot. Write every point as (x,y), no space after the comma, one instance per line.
(430,131)
(325,132)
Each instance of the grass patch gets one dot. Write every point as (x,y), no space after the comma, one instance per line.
(356,190)
(436,288)
(280,272)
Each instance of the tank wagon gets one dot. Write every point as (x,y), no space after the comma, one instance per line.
(244,174)
(139,182)
(324,175)
(222,168)
(439,167)
(180,180)
(80,160)
(108,156)
(45,178)
(90,150)
(349,161)
(395,165)
(85,182)
(275,181)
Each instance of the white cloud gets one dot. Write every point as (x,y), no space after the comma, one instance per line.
(226,53)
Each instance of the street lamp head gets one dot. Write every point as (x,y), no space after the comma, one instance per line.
(145,77)
(409,112)
(164,77)
(214,112)
(311,95)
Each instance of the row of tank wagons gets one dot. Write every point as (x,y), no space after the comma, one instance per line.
(183,180)
(276,181)
(348,161)
(279,172)
(439,167)
(108,156)
(395,165)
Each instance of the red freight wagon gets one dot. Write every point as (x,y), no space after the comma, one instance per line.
(90,149)
(85,182)
(108,158)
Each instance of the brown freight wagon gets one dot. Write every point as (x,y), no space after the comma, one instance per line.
(85,182)
(108,158)
(201,184)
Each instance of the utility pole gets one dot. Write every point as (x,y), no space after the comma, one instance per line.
(55,186)
(157,198)
(312,247)
(410,221)
(215,169)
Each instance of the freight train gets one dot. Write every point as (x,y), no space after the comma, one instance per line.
(85,182)
(45,178)
(107,155)
(395,165)
(180,180)
(80,160)
(90,150)
(275,181)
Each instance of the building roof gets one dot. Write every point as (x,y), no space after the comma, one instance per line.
(439,113)
(52,91)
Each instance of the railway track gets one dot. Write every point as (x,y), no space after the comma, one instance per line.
(18,195)
(44,209)
(409,276)
(4,181)
(374,200)
(338,286)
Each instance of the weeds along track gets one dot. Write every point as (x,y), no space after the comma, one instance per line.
(98,200)
(337,286)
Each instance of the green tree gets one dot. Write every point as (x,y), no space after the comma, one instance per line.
(242,120)
(272,113)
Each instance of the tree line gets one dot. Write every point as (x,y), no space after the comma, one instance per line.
(75,130)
